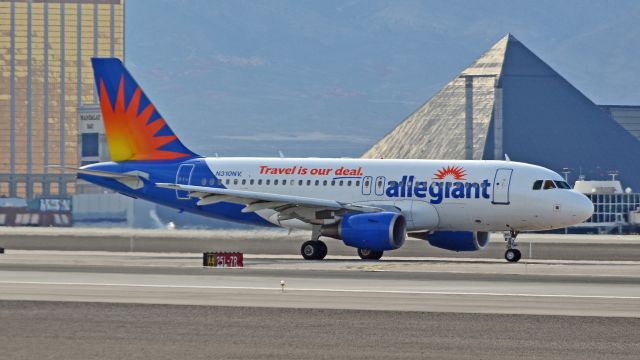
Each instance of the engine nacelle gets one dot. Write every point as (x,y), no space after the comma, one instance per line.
(374,231)
(458,240)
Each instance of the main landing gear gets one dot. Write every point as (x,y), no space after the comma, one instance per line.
(314,249)
(368,254)
(512,254)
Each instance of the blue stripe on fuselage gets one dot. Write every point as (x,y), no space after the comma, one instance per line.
(165,172)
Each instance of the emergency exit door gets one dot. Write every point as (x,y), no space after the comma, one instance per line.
(183,177)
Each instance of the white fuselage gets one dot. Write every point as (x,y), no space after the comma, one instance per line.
(432,194)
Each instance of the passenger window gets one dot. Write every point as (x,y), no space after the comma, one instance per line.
(244,181)
(317,182)
(204,181)
(228,181)
(341,182)
(349,183)
(562,184)
(259,181)
(300,182)
(284,182)
(324,183)
(333,183)
(275,182)
(235,181)
(308,182)
(357,182)
(212,182)
(537,185)
(251,182)
(548,184)
(268,182)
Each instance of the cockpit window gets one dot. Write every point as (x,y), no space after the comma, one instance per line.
(537,185)
(562,184)
(548,184)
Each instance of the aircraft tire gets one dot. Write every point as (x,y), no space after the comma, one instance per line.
(367,254)
(313,250)
(512,255)
(323,250)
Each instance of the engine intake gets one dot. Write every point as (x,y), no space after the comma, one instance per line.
(374,231)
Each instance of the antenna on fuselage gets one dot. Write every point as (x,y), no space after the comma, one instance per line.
(506,157)
(281,154)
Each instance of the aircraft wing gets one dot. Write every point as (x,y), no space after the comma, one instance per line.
(307,209)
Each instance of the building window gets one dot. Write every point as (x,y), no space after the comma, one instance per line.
(90,144)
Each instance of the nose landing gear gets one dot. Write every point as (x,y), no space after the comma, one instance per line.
(512,254)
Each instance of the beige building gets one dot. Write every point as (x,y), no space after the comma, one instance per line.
(45,77)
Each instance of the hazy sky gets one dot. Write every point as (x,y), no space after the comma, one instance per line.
(329,78)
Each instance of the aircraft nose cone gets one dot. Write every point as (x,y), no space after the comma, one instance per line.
(583,207)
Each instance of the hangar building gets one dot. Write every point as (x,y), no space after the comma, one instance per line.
(511,102)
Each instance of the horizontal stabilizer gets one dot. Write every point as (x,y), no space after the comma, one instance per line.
(132,180)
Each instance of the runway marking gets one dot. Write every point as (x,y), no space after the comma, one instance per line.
(291,289)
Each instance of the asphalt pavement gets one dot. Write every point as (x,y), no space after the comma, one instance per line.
(70,330)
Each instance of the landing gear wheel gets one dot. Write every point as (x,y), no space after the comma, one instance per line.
(313,250)
(367,254)
(512,255)
(323,250)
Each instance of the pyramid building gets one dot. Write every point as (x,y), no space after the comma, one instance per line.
(511,102)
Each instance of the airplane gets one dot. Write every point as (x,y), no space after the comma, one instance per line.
(369,204)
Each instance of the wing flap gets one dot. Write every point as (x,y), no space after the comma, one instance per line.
(275,200)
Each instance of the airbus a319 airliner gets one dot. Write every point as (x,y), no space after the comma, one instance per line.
(369,204)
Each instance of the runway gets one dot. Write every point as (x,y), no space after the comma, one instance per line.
(99,304)
(543,287)
(279,242)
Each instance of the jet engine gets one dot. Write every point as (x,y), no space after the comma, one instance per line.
(374,231)
(456,240)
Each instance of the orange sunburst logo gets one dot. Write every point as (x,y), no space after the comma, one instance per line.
(456,172)
(129,135)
